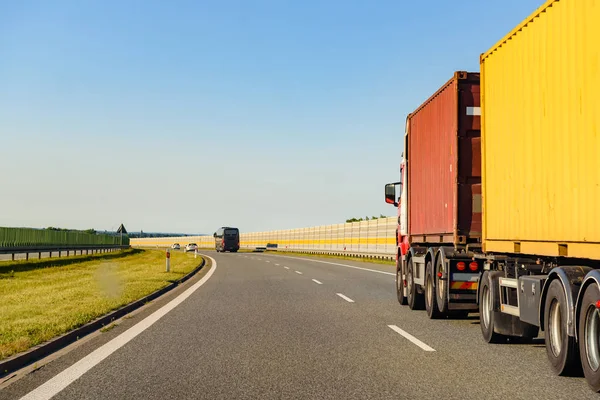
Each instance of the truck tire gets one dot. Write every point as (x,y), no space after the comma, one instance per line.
(400,286)
(441,286)
(589,331)
(487,300)
(561,348)
(431,305)
(415,299)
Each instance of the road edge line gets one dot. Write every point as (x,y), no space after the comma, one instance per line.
(14,363)
(62,380)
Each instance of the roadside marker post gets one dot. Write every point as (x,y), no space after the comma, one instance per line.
(168,260)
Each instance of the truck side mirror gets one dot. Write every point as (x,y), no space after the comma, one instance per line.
(390,194)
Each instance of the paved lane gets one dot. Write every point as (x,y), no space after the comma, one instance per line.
(517,370)
(257,329)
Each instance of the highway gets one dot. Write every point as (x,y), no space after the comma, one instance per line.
(262,326)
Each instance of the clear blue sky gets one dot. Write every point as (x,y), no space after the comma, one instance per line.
(188,115)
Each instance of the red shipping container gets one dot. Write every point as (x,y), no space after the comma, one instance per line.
(444,165)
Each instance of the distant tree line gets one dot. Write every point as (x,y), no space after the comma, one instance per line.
(143,234)
(365,218)
(90,231)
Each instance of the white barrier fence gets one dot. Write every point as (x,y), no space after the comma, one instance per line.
(374,238)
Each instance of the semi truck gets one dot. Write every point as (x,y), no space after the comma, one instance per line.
(439,219)
(537,258)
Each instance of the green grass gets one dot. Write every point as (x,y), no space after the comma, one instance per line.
(362,259)
(45,298)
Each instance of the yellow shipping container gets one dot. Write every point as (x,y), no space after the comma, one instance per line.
(540,90)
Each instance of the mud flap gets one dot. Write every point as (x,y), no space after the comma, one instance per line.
(509,325)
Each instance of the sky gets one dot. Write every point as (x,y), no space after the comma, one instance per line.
(184,116)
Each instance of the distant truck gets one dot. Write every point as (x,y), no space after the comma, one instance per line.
(533,235)
(227,239)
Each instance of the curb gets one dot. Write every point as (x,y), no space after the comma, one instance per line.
(19,361)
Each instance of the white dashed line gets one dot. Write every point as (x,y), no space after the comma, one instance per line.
(286,267)
(317,282)
(348,299)
(411,338)
(298,272)
(268,261)
(340,265)
(277,265)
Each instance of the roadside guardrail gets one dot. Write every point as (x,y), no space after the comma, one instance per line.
(69,250)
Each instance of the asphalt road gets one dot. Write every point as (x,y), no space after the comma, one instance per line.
(271,327)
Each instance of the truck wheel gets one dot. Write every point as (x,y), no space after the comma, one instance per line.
(433,312)
(486,311)
(415,299)
(561,348)
(441,286)
(400,286)
(589,332)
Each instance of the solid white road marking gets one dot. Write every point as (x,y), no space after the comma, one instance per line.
(341,265)
(53,386)
(348,299)
(411,338)
(317,282)
(286,267)
(298,272)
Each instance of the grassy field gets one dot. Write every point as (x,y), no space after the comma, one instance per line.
(291,253)
(45,298)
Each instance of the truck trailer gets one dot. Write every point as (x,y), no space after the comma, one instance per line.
(540,181)
(439,218)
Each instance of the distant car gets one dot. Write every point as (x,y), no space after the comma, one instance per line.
(191,247)
(176,246)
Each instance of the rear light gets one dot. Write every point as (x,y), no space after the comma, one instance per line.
(461,266)
(439,274)
(473,266)
(598,304)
